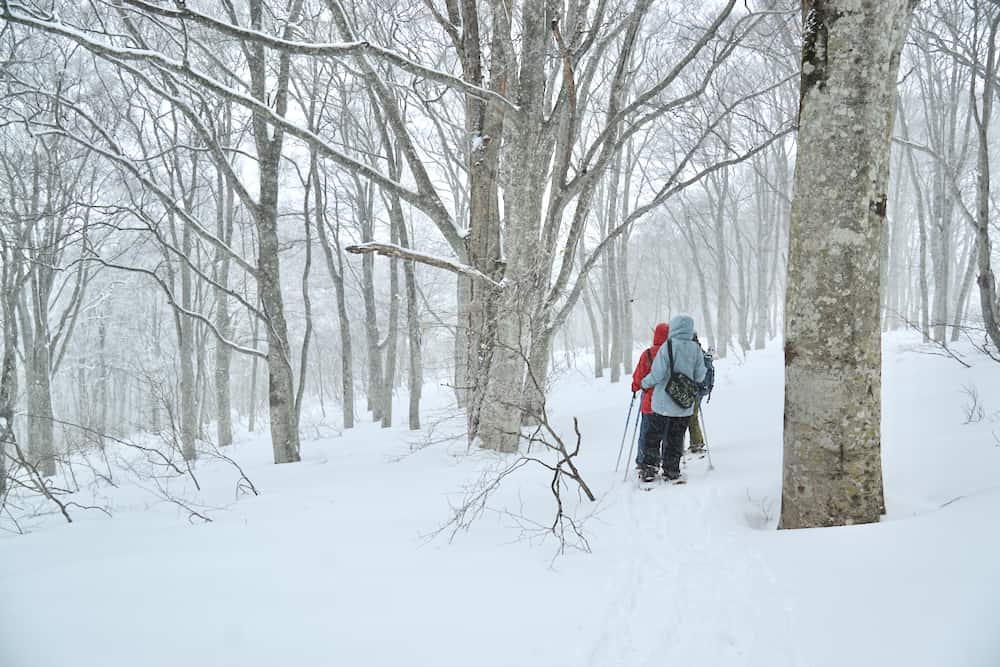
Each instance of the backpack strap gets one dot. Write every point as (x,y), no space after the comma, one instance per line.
(670,353)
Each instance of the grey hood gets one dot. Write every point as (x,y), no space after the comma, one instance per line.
(681,327)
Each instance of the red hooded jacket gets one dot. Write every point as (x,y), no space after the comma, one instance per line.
(642,368)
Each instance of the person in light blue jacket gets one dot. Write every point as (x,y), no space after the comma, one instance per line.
(669,421)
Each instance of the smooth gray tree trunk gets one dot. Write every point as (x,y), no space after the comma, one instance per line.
(832,471)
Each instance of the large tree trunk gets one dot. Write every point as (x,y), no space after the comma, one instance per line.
(986,279)
(484,126)
(832,473)
(500,413)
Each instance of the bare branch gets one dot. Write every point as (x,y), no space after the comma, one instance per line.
(393,250)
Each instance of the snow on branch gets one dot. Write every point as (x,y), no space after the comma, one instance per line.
(393,250)
(120,57)
(327,49)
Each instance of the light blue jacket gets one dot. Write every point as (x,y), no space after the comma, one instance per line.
(688,359)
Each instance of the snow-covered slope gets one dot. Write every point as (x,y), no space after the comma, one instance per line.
(335,563)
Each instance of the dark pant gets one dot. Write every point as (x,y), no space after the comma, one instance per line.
(667,432)
(640,454)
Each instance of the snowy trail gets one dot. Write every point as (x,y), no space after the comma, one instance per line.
(686,588)
(329,564)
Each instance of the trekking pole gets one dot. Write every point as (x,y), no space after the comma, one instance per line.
(635,427)
(627,420)
(704,436)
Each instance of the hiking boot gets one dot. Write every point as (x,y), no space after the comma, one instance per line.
(696,447)
(647,473)
(671,475)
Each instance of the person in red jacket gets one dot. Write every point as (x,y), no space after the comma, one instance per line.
(660,334)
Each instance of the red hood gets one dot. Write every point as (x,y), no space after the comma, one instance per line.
(660,334)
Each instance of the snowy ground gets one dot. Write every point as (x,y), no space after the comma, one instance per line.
(332,564)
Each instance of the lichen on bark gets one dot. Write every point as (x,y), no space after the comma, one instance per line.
(832,441)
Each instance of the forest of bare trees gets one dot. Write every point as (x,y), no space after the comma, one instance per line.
(229,215)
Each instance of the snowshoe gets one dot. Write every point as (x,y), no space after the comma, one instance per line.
(672,477)
(699,450)
(647,477)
